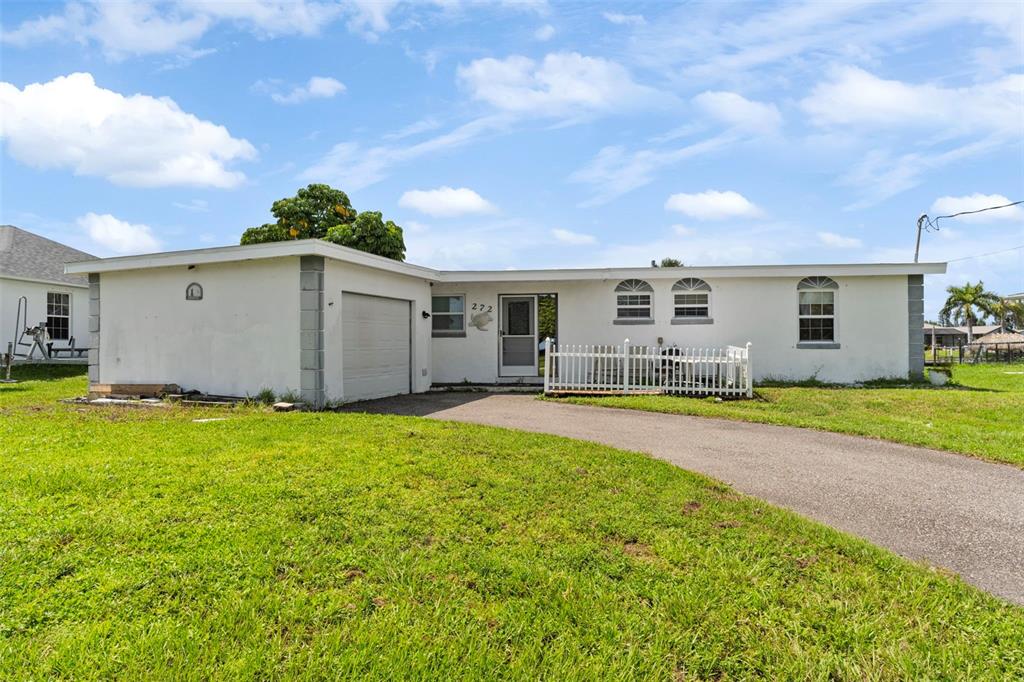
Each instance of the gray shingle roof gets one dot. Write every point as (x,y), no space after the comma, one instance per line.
(29,256)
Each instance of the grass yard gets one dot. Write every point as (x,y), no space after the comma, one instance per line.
(982,415)
(141,543)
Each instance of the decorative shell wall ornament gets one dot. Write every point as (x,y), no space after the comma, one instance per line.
(481,320)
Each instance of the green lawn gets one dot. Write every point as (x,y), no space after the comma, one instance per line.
(141,543)
(982,415)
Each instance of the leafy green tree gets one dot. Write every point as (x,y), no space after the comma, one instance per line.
(671,263)
(547,316)
(968,305)
(369,232)
(322,212)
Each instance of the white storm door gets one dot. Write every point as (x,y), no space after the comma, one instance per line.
(517,333)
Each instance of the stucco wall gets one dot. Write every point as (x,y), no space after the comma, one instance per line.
(242,337)
(12,289)
(871,326)
(345,277)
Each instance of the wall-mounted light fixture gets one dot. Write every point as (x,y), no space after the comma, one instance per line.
(425,314)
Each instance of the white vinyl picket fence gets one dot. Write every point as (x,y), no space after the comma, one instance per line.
(631,368)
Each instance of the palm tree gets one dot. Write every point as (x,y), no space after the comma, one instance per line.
(1009,313)
(968,305)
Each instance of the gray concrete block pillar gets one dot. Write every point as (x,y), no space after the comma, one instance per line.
(94,328)
(915,324)
(311,330)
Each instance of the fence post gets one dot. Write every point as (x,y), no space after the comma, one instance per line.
(547,364)
(625,367)
(750,373)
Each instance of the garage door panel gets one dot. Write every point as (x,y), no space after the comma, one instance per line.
(376,346)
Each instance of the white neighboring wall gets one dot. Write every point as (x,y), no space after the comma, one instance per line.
(241,338)
(35,292)
(871,325)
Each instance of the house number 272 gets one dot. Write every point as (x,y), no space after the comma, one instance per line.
(483,307)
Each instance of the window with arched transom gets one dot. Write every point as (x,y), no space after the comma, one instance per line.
(691,298)
(633,300)
(816,311)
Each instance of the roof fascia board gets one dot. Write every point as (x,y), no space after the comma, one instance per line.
(47,282)
(731,271)
(234,254)
(316,247)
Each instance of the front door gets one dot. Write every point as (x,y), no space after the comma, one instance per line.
(517,330)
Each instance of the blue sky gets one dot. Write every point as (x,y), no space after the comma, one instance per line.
(527,134)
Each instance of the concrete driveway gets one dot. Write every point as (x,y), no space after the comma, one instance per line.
(946,510)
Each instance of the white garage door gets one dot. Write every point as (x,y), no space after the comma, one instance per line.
(375,339)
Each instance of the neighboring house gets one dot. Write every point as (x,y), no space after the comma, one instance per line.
(947,337)
(33,267)
(1016,297)
(332,323)
(944,337)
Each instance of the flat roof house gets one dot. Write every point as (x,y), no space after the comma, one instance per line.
(335,324)
(35,290)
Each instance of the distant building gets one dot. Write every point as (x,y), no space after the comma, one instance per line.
(34,290)
(938,335)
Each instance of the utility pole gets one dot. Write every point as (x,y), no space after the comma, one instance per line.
(920,226)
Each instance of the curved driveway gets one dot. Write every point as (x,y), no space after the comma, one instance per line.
(947,510)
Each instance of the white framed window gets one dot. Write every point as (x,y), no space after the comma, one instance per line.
(633,302)
(448,315)
(58,315)
(816,313)
(691,298)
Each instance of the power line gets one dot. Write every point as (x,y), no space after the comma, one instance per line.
(926,224)
(990,253)
(933,223)
(980,210)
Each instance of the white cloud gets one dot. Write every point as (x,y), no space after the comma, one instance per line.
(370,17)
(683,230)
(446,202)
(713,205)
(854,97)
(272,18)
(120,28)
(574,238)
(614,171)
(739,112)
(144,27)
(134,140)
(194,205)
(353,166)
(881,175)
(838,241)
(317,87)
(422,126)
(973,202)
(624,19)
(119,236)
(751,45)
(544,33)
(562,84)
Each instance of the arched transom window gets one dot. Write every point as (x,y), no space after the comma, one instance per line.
(692,298)
(633,300)
(817,309)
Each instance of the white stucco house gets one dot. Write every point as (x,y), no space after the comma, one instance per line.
(35,290)
(335,324)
